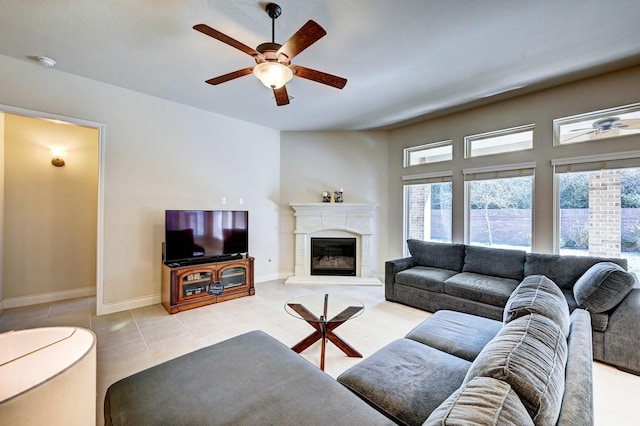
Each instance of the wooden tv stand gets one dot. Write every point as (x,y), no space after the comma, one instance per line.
(192,286)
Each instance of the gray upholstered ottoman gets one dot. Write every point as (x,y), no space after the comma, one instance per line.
(251,379)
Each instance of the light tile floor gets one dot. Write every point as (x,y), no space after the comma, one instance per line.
(133,340)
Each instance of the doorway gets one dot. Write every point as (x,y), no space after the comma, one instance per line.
(51,215)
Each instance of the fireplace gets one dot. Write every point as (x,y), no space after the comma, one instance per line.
(333,256)
(336,221)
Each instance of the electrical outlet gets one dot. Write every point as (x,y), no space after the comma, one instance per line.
(240,201)
(223,200)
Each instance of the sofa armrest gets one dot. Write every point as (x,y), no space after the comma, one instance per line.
(391,268)
(623,333)
(577,403)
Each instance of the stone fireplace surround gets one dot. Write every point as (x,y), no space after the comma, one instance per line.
(334,220)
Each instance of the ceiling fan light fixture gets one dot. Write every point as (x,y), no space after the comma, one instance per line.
(274,75)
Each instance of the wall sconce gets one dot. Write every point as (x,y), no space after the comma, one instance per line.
(57,159)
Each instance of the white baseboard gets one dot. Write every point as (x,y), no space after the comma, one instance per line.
(54,296)
(141,302)
(265,278)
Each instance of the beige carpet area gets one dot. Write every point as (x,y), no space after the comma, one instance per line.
(133,340)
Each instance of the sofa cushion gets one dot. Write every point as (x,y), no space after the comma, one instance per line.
(481,401)
(405,380)
(437,255)
(602,287)
(424,277)
(529,353)
(538,294)
(496,262)
(480,288)
(456,333)
(561,269)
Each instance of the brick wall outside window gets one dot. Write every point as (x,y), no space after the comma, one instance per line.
(604,213)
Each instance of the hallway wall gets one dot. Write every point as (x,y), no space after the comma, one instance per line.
(50,214)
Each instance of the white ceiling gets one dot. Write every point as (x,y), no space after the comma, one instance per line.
(403,59)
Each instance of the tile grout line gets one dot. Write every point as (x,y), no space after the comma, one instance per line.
(140,333)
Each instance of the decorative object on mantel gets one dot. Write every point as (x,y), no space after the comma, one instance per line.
(333,197)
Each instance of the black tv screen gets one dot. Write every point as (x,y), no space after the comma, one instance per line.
(193,234)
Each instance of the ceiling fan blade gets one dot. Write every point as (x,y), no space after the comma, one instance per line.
(230,76)
(308,34)
(319,76)
(631,123)
(589,133)
(282,97)
(205,29)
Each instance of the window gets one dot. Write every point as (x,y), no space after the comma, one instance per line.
(598,206)
(429,153)
(499,206)
(597,125)
(427,201)
(499,142)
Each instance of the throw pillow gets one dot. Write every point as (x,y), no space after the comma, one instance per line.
(538,294)
(530,354)
(602,287)
(481,401)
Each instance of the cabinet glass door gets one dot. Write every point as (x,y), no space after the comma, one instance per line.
(196,283)
(233,277)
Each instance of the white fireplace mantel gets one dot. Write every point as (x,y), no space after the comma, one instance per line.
(334,220)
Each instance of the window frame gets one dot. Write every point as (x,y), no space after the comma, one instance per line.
(588,119)
(432,145)
(469,140)
(497,172)
(419,179)
(561,166)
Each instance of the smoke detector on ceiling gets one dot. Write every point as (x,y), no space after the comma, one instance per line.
(47,62)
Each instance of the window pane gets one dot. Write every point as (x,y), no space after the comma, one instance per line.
(430,153)
(597,125)
(600,214)
(508,140)
(428,211)
(500,212)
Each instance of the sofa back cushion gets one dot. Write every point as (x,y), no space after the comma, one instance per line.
(602,287)
(537,294)
(563,270)
(437,255)
(481,401)
(495,262)
(530,354)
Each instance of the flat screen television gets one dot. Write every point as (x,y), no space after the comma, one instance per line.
(205,234)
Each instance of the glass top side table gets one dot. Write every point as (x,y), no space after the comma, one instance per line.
(324,314)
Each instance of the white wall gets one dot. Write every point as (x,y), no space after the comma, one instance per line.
(605,91)
(158,155)
(312,162)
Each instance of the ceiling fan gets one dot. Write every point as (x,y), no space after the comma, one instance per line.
(601,128)
(273,61)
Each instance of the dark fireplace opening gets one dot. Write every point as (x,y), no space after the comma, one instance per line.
(333,256)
